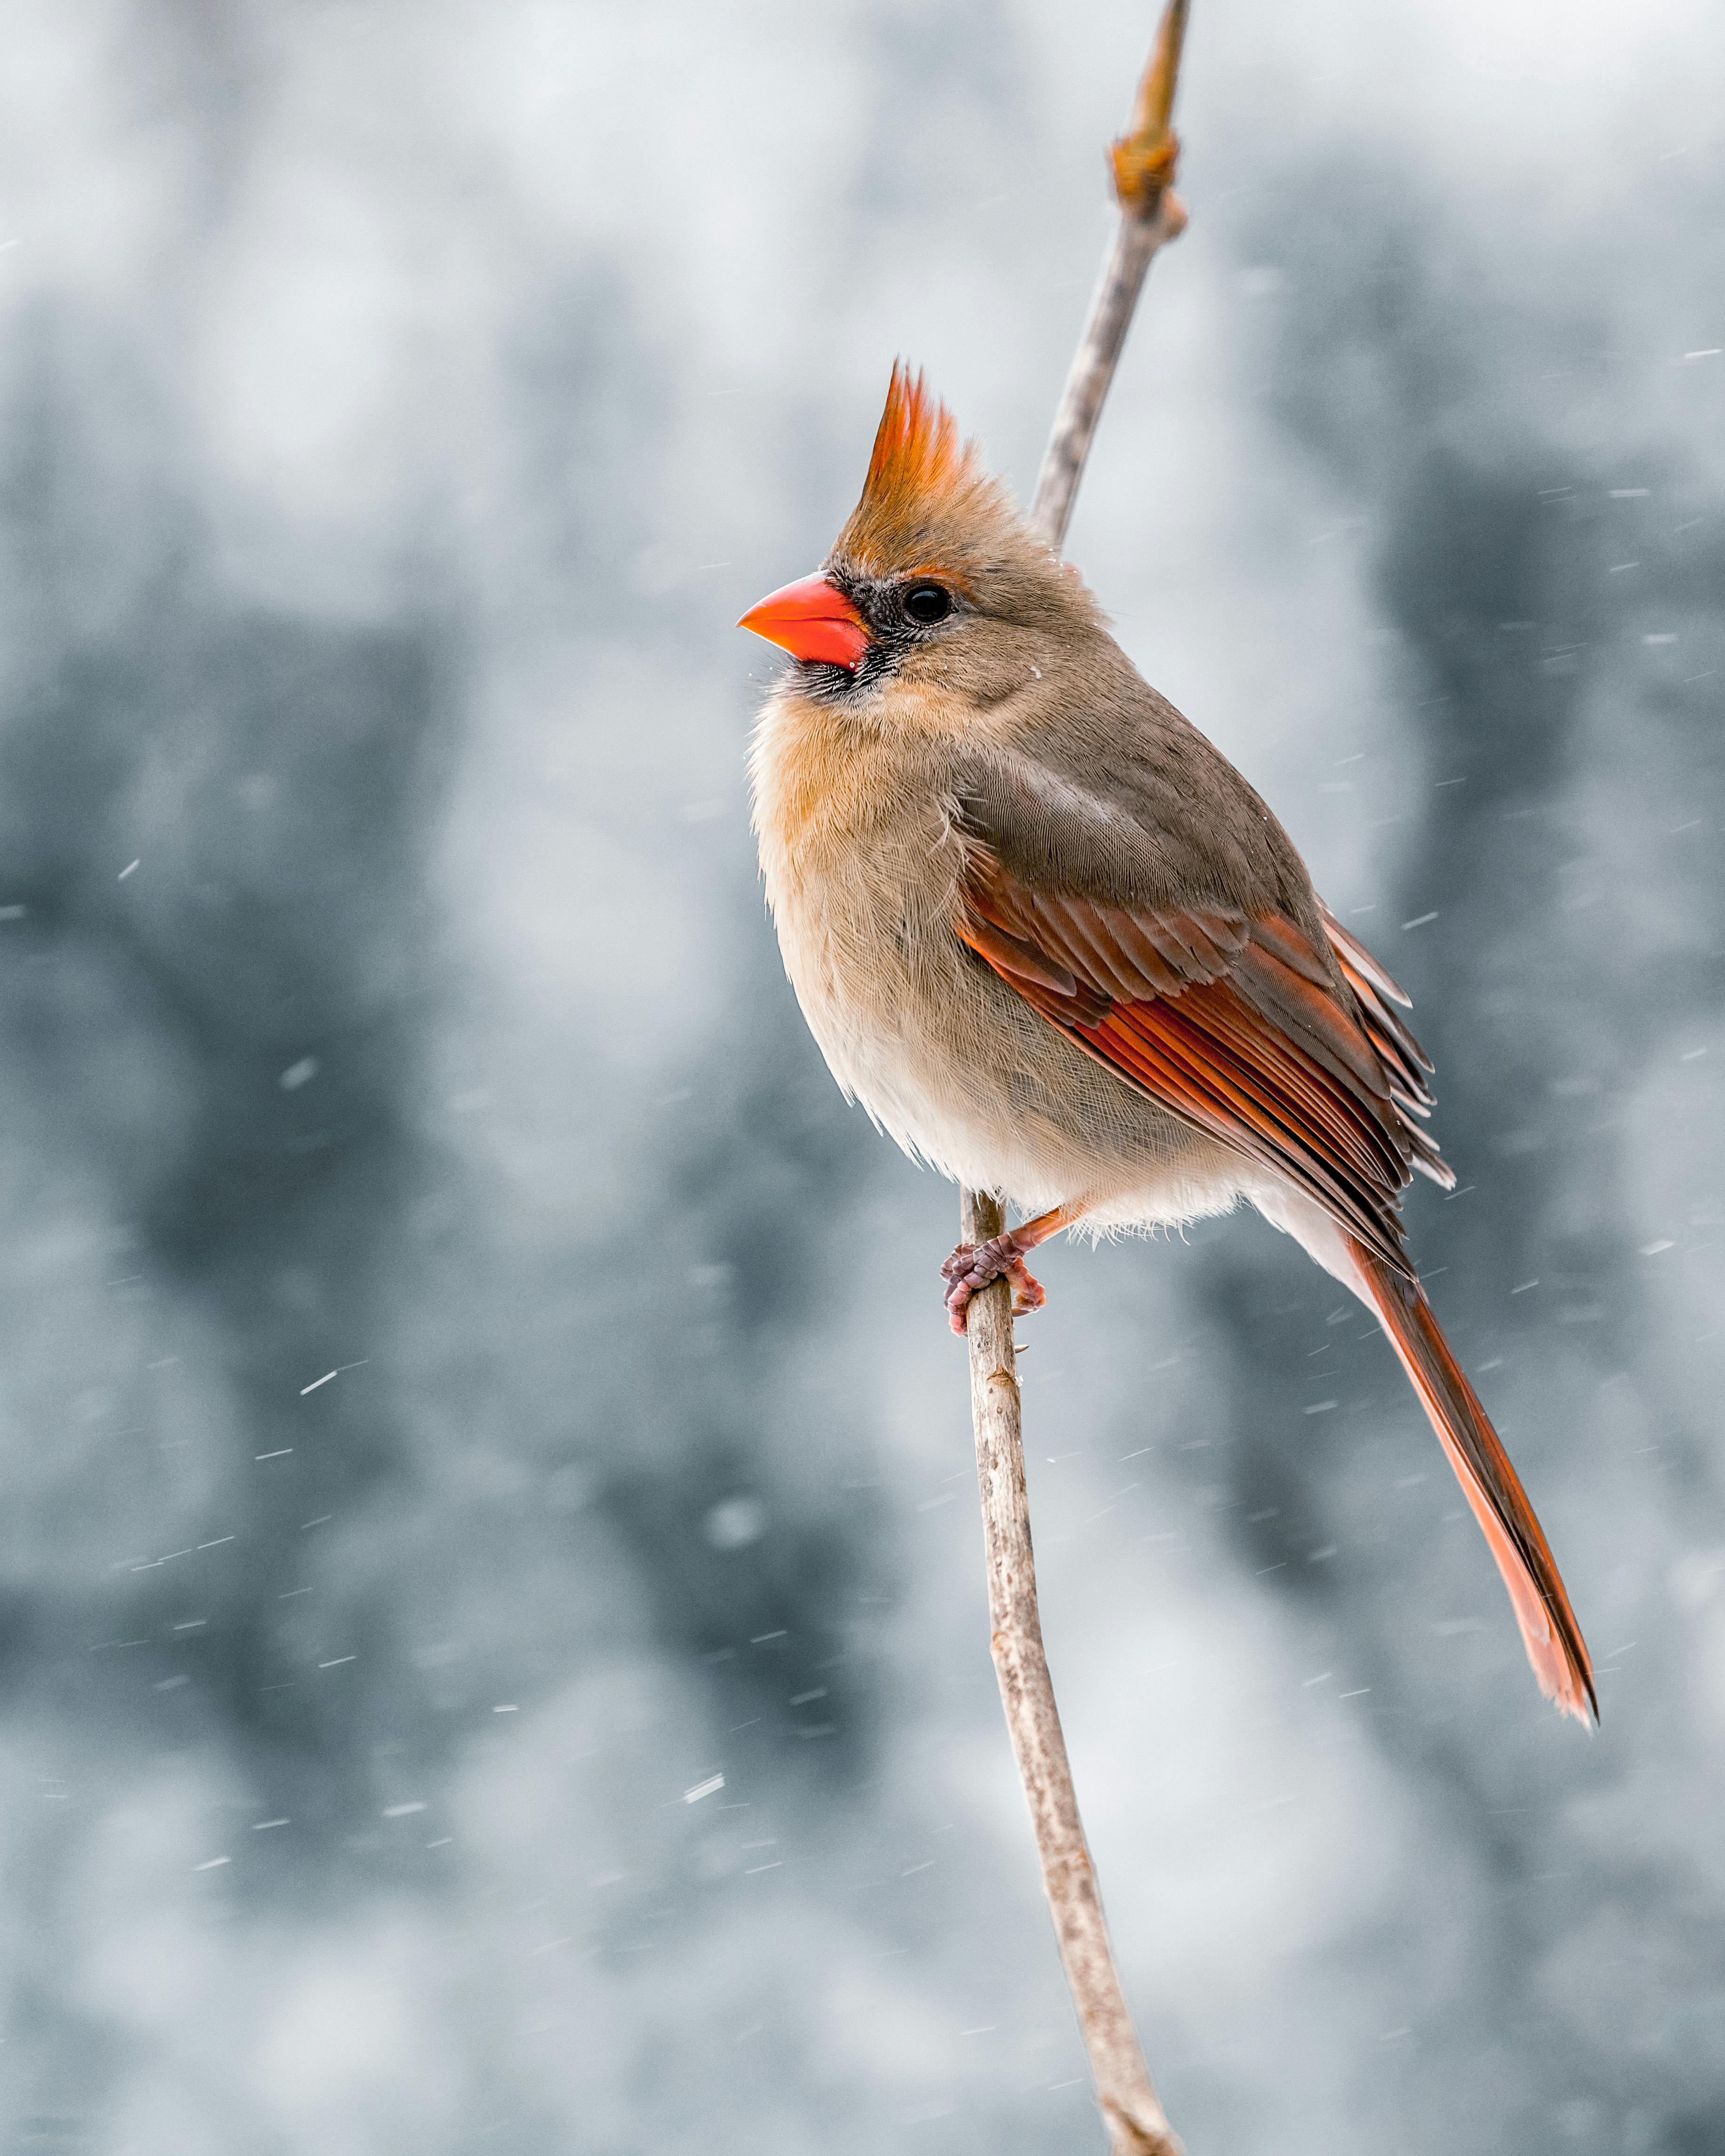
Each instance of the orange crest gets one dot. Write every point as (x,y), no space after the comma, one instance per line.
(916,451)
(918,466)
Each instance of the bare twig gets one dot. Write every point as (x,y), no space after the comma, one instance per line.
(1136,240)
(1151,214)
(1137,2123)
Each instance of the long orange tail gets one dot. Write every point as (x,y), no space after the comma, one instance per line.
(1491,1485)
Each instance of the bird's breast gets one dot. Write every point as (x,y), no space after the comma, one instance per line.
(861,866)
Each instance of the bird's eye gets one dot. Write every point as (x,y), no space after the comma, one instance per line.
(928,603)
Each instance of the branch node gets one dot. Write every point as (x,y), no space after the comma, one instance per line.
(1143,170)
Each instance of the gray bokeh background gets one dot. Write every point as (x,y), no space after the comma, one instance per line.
(398,405)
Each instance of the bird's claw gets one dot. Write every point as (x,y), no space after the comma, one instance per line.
(972,1266)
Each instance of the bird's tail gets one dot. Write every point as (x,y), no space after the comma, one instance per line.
(1489,1484)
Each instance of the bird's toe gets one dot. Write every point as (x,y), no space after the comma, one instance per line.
(973,1266)
(1028,1292)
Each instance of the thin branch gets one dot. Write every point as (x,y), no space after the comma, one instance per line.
(1136,241)
(1137,2125)
(1151,214)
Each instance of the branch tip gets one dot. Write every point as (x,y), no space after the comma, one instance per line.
(1145,157)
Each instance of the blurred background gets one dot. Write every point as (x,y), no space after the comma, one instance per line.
(467,1383)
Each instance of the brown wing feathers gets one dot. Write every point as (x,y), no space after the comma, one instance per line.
(1233,1023)
(1230,1080)
(1405,1063)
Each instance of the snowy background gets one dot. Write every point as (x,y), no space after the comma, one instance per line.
(398,403)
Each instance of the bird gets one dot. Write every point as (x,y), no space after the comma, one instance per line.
(1061,951)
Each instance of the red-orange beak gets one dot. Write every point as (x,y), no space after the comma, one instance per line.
(811,620)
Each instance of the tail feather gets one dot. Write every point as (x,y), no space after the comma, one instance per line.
(1489,1484)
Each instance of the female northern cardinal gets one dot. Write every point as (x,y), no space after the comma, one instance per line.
(1056,945)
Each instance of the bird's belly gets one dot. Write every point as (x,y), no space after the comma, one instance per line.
(963,1074)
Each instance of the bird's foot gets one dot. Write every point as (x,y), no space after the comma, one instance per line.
(973,1266)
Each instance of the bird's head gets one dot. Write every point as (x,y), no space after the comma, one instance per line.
(936,580)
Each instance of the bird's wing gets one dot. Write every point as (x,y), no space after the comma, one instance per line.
(1233,1022)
